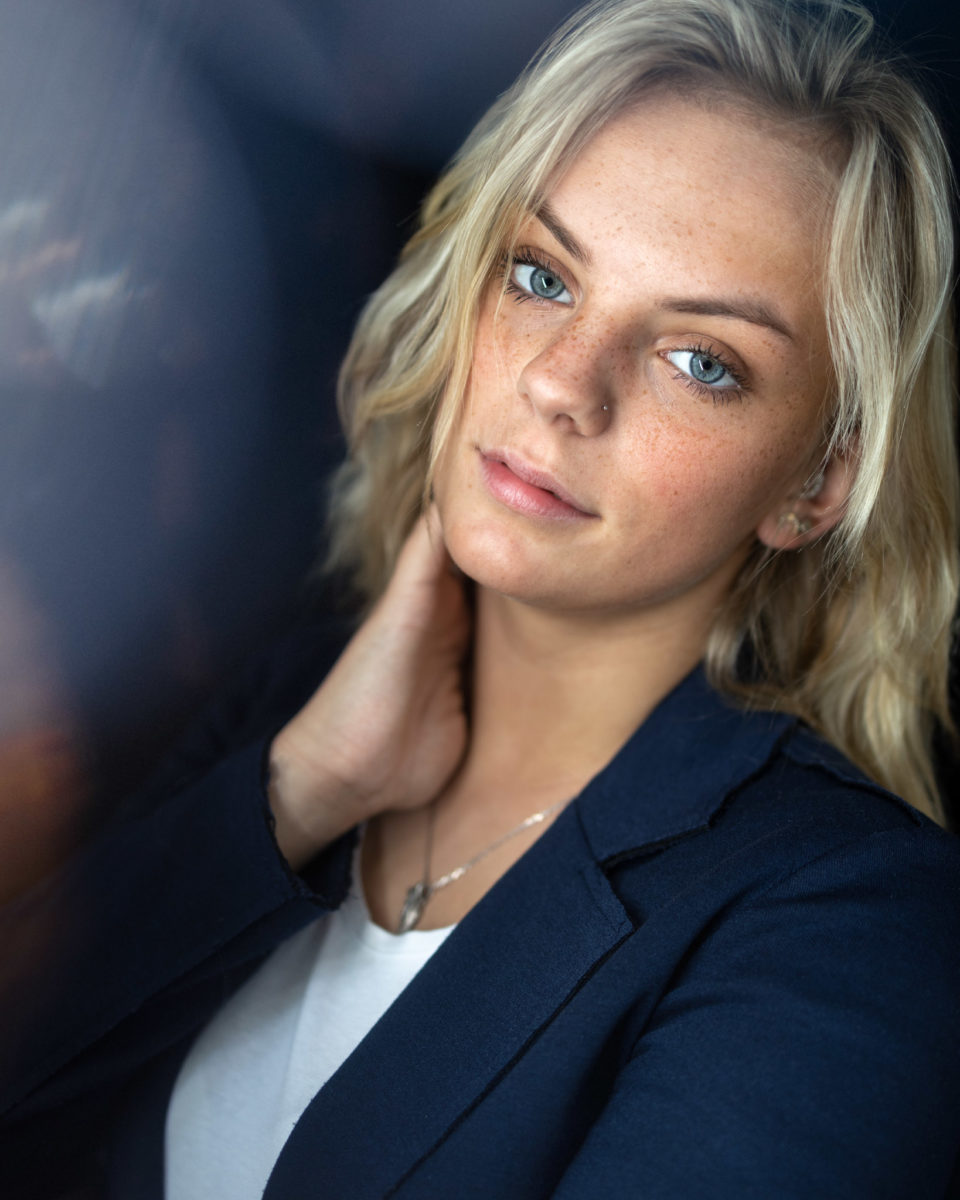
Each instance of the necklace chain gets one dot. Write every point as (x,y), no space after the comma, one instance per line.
(420,893)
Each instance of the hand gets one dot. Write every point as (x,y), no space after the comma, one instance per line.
(387,728)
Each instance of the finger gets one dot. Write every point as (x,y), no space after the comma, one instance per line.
(431,519)
(434,528)
(424,554)
(435,532)
(421,566)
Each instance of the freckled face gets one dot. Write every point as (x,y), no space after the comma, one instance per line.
(650,388)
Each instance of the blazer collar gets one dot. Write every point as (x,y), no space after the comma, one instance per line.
(676,771)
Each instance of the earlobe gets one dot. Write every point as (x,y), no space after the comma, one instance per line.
(815,509)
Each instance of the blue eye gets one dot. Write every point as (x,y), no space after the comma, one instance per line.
(704,368)
(537,280)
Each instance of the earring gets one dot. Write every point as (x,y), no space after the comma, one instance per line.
(796,525)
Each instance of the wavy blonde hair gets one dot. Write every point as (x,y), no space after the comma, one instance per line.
(852,633)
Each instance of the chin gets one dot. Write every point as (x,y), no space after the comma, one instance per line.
(491,558)
(507,565)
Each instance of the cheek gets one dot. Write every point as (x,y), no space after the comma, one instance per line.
(481,384)
(725,470)
(489,343)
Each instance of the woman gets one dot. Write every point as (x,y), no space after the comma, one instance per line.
(668,367)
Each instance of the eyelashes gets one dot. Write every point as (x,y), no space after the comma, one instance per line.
(707,360)
(531,276)
(528,276)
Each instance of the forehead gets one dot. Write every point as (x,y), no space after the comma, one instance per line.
(712,128)
(713,188)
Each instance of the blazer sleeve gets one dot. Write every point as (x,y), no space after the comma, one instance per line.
(130,948)
(809,1046)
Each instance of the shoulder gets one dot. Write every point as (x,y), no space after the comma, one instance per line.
(710,781)
(808,840)
(812,803)
(838,836)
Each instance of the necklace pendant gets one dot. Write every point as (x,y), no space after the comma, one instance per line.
(413,906)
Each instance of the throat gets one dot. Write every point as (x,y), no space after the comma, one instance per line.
(553,698)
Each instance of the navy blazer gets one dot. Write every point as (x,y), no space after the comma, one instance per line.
(730,968)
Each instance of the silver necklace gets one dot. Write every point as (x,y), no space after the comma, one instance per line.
(418,896)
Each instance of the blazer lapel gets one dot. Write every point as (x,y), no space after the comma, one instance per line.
(495,981)
(676,772)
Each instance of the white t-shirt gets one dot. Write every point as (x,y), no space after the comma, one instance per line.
(258,1064)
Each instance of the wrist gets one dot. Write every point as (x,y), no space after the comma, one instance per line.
(308,811)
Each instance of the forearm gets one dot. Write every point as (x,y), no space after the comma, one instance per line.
(148,914)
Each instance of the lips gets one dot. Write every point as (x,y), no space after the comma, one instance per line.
(525,489)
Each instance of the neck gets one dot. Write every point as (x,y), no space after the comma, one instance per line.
(555,695)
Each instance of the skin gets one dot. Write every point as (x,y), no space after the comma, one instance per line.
(585,616)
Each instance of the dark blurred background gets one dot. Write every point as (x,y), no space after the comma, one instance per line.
(196,196)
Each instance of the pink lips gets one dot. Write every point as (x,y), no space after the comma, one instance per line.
(528,491)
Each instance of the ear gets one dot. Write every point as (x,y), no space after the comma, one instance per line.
(806,515)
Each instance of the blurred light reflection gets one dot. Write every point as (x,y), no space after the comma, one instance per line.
(134,298)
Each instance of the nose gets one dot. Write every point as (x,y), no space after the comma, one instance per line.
(566,382)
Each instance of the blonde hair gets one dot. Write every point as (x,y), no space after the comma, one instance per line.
(852,633)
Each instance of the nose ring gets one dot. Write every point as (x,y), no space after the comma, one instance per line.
(604,407)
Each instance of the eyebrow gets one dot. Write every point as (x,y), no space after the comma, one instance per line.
(547,217)
(754,311)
